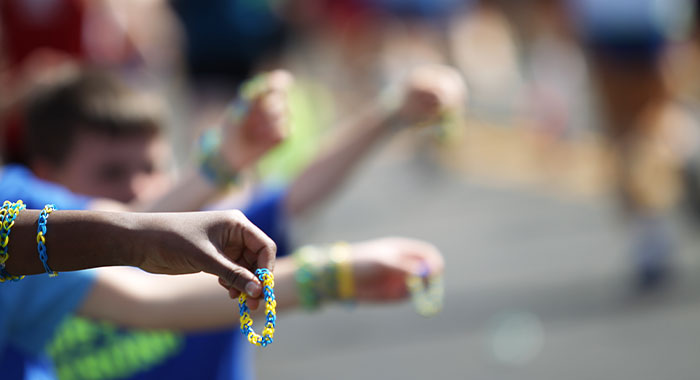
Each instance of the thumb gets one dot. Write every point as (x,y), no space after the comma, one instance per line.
(233,276)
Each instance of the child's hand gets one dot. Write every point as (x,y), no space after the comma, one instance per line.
(429,92)
(264,123)
(381,267)
(223,243)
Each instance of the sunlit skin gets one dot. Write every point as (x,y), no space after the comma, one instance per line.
(126,169)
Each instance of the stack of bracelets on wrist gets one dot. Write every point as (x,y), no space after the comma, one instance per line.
(306,276)
(340,257)
(427,299)
(41,238)
(8,214)
(268,332)
(324,274)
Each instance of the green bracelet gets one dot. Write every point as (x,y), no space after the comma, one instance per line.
(323,274)
(307,276)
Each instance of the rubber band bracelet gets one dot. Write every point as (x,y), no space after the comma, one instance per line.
(41,238)
(8,214)
(306,276)
(340,257)
(428,299)
(268,281)
(212,165)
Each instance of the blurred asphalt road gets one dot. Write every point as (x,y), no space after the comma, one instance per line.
(537,287)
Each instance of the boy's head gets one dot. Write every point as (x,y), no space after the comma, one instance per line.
(91,133)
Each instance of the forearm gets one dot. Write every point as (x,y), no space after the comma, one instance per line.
(379,269)
(196,302)
(327,172)
(429,92)
(75,240)
(190,193)
(131,298)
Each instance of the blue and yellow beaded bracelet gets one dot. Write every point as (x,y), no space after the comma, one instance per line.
(8,214)
(41,238)
(268,281)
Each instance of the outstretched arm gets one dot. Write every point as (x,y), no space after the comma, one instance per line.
(244,138)
(195,302)
(223,243)
(427,93)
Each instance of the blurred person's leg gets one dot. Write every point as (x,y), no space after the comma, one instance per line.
(641,122)
(637,109)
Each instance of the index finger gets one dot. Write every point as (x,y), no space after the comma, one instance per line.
(428,257)
(262,248)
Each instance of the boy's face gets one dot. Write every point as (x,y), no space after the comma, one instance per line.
(125,169)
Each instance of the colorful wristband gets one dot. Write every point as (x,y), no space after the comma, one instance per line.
(308,276)
(8,214)
(268,281)
(323,274)
(340,257)
(41,238)
(212,165)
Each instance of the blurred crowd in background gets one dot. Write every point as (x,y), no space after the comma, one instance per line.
(578,98)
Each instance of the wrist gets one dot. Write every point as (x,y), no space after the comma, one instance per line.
(389,108)
(88,239)
(340,260)
(136,242)
(218,169)
(149,237)
(323,274)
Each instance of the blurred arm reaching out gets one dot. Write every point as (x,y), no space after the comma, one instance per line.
(426,94)
(195,302)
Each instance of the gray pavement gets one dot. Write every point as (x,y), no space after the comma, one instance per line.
(537,287)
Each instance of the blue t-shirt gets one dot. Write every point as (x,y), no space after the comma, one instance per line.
(266,210)
(18,182)
(89,350)
(104,351)
(33,308)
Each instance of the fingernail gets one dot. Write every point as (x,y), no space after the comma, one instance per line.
(251,288)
